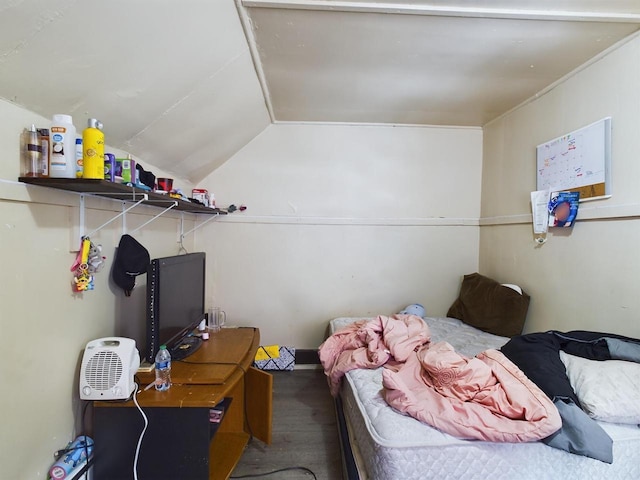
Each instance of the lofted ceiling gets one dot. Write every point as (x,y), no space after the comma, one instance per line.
(184,85)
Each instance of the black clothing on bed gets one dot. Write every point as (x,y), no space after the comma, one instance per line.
(538,356)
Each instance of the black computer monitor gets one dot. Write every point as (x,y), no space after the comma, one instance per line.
(175,300)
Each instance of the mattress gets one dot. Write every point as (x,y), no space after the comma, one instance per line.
(388,445)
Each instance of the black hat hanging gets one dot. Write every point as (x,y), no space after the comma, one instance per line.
(131,260)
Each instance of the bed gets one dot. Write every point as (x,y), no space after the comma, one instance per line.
(381,444)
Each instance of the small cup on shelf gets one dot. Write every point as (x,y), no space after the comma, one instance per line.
(165,184)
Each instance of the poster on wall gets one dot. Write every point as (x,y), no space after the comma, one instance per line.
(579,161)
(563,208)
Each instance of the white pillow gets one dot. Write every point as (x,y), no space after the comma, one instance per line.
(608,390)
(513,287)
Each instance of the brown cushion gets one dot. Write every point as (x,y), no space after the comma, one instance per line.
(489,306)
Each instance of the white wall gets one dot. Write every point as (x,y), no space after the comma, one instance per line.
(44,326)
(587,278)
(343,221)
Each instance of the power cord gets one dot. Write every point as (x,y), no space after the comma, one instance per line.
(63,451)
(86,446)
(84,439)
(265,474)
(146,423)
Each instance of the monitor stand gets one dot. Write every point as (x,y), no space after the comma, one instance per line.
(186,347)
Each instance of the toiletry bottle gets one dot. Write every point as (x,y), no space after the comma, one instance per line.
(62,140)
(93,150)
(31,153)
(79,155)
(109,167)
(44,139)
(134,171)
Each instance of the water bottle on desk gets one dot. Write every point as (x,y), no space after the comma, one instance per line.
(163,369)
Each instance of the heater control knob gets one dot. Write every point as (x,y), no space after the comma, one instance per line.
(86,390)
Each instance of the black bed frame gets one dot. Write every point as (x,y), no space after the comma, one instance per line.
(349,469)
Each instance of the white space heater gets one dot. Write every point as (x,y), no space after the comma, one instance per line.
(108,367)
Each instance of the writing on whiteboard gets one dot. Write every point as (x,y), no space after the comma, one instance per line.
(577,159)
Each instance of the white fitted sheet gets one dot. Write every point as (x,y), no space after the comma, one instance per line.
(393,446)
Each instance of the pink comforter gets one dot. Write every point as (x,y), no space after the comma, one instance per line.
(370,344)
(485,398)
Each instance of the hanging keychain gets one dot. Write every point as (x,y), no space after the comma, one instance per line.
(95,260)
(82,279)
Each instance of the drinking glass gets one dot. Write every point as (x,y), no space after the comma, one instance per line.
(216,319)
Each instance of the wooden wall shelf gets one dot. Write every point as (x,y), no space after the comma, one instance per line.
(119,191)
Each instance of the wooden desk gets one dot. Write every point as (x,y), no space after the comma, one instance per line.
(180,441)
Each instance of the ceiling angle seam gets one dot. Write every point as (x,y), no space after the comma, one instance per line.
(184,98)
(44,22)
(245,21)
(444,11)
(565,78)
(375,124)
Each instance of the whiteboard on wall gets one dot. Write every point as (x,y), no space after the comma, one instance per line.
(577,161)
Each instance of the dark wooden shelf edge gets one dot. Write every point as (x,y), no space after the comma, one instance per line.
(118,191)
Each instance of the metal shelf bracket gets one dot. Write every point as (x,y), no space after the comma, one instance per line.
(174,204)
(94,231)
(184,234)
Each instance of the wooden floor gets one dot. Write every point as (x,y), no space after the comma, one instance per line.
(304,431)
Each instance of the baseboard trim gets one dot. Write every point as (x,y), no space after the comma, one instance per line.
(307,357)
(307,367)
